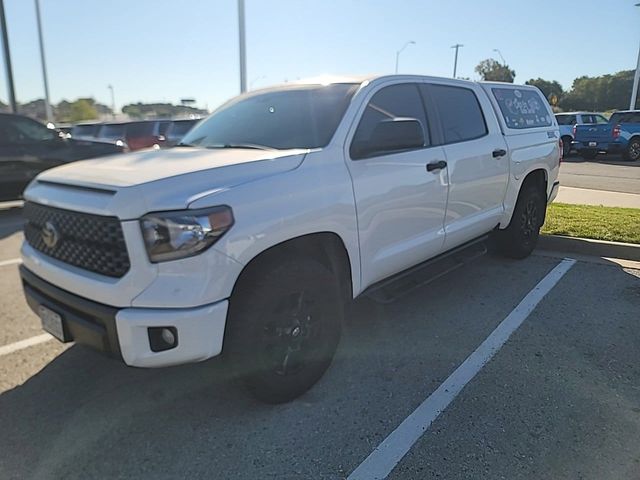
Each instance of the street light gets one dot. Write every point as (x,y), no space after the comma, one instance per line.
(113,102)
(242,47)
(47,102)
(636,79)
(504,62)
(410,42)
(7,60)
(455,61)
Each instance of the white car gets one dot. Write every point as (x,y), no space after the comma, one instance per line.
(285,203)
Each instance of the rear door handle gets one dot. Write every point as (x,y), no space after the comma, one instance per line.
(499,153)
(436,166)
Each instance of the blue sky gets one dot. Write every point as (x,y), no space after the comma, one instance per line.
(164,50)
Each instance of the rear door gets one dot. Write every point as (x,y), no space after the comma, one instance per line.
(477,160)
(400,204)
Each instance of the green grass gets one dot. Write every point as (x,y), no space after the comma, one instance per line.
(600,223)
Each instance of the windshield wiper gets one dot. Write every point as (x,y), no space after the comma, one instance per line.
(253,146)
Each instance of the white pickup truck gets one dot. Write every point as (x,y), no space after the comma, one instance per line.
(250,236)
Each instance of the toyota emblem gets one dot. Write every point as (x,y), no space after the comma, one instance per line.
(50,235)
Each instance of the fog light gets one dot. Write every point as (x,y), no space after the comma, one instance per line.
(162,338)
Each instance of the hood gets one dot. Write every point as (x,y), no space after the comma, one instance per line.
(132,184)
(146,166)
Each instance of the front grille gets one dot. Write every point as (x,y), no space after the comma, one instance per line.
(91,242)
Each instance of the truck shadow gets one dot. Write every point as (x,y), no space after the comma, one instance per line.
(84,415)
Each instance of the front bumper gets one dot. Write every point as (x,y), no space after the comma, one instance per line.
(123,332)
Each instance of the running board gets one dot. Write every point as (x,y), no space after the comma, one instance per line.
(392,288)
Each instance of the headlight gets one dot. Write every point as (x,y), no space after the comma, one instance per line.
(173,235)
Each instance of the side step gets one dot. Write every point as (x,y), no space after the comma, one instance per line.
(392,288)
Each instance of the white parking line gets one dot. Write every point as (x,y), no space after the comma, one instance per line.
(388,454)
(12,261)
(22,344)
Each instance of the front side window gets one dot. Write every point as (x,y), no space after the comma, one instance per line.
(460,113)
(393,102)
(296,117)
(113,131)
(522,108)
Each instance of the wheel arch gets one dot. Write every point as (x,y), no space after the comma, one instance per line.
(326,247)
(540,177)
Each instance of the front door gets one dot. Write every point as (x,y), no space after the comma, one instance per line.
(400,204)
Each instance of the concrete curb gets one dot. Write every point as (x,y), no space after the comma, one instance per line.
(587,246)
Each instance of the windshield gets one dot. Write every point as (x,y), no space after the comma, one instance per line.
(296,117)
(84,130)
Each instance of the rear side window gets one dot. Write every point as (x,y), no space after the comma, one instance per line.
(566,119)
(460,113)
(625,117)
(395,101)
(522,108)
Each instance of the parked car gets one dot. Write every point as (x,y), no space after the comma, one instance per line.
(566,122)
(279,208)
(135,135)
(620,135)
(85,131)
(176,130)
(27,147)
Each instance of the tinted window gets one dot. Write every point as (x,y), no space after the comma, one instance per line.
(180,128)
(566,119)
(84,130)
(460,113)
(140,129)
(113,131)
(23,131)
(625,117)
(396,101)
(522,108)
(295,117)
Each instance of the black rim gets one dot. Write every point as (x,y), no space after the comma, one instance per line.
(292,334)
(529,219)
(634,150)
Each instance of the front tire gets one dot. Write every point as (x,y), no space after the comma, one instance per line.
(519,239)
(284,327)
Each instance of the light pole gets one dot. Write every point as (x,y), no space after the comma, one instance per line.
(47,102)
(410,42)
(504,62)
(243,47)
(636,80)
(113,102)
(455,61)
(7,60)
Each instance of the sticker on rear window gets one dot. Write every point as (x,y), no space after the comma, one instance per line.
(522,108)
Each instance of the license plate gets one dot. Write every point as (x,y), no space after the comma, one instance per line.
(51,322)
(593,144)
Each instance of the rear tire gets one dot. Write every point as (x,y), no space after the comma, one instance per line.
(588,154)
(519,239)
(284,327)
(632,153)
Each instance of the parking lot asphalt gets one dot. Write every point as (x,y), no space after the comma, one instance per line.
(561,399)
(606,172)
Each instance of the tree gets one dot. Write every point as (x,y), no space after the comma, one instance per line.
(492,70)
(160,110)
(550,89)
(607,92)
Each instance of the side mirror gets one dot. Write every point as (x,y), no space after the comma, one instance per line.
(391,135)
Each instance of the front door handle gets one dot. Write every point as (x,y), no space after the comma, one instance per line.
(499,153)
(436,166)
